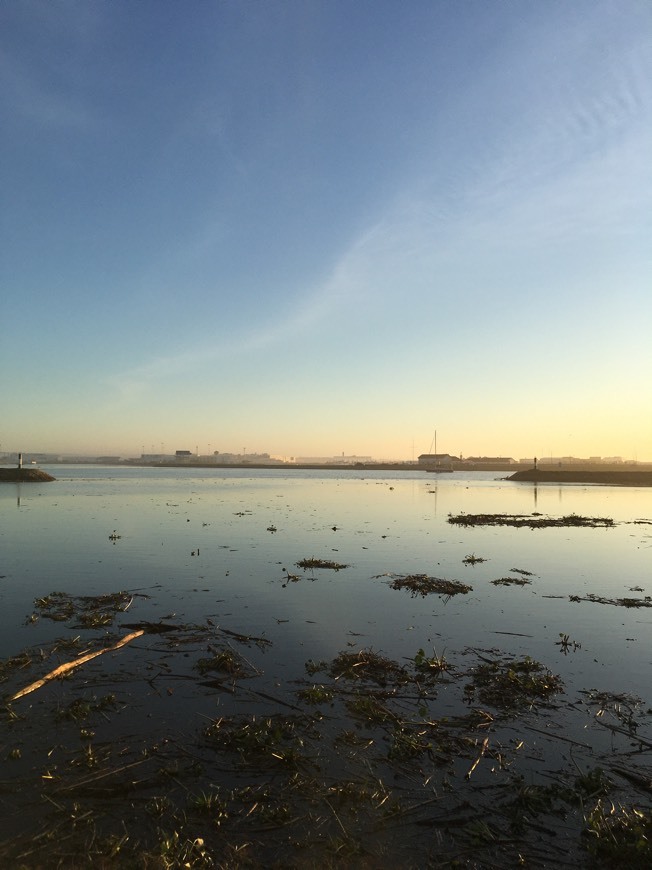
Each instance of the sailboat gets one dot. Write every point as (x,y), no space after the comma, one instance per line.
(438,468)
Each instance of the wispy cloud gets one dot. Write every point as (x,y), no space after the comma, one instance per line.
(332,296)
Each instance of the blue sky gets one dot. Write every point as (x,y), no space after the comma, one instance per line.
(309,228)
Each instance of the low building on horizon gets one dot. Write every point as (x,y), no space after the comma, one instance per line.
(491,460)
(437,459)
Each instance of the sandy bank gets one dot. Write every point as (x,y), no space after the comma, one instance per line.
(618,478)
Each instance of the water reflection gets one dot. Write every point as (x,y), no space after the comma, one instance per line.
(196,555)
(201,544)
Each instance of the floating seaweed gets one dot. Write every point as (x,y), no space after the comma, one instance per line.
(247,782)
(531,521)
(512,683)
(616,602)
(367,665)
(312,563)
(422,584)
(472,559)
(89,611)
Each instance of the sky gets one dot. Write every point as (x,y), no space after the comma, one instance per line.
(315,227)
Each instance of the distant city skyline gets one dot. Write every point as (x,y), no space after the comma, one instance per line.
(322,227)
(263,455)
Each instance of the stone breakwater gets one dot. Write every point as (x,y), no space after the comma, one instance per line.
(24,475)
(611,478)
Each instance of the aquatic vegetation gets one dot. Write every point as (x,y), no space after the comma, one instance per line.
(224,661)
(619,836)
(511,581)
(530,521)
(177,851)
(512,683)
(202,746)
(312,563)
(315,667)
(368,708)
(267,740)
(529,801)
(594,783)
(82,708)
(15,663)
(472,559)
(89,611)
(422,584)
(432,665)
(408,743)
(566,644)
(367,665)
(616,602)
(316,695)
(323,789)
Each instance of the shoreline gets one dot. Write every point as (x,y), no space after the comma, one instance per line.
(24,475)
(606,477)
(609,478)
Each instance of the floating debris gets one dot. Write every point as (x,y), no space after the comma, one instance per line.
(367,665)
(316,695)
(290,578)
(89,611)
(433,664)
(312,563)
(422,584)
(511,581)
(619,836)
(225,661)
(324,788)
(473,559)
(67,667)
(512,683)
(566,644)
(616,602)
(531,521)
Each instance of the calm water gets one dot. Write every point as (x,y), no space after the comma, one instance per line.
(198,543)
(209,553)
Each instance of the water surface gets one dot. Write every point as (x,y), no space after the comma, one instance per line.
(218,549)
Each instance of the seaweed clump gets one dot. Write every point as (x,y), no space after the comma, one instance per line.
(367,665)
(310,564)
(530,521)
(88,611)
(616,602)
(619,837)
(422,584)
(511,684)
(511,581)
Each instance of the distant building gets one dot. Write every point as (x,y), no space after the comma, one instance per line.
(333,460)
(183,455)
(437,459)
(491,460)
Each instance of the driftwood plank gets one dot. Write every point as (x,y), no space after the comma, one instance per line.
(69,666)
